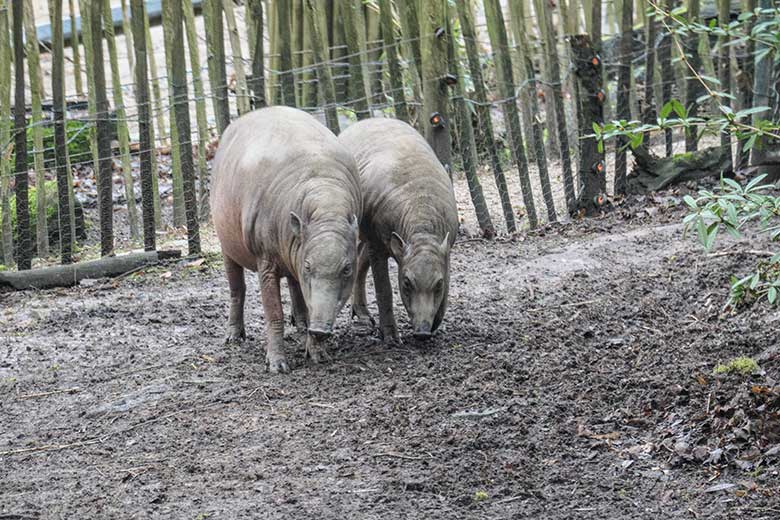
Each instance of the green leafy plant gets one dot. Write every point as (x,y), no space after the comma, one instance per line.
(744,366)
(730,207)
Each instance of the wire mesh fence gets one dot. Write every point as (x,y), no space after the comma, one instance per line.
(528,87)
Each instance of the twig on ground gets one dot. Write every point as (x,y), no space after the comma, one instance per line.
(574,304)
(400,456)
(53,392)
(755,252)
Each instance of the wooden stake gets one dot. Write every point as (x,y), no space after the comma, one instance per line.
(145,127)
(6,167)
(242,92)
(60,146)
(352,11)
(174,38)
(316,22)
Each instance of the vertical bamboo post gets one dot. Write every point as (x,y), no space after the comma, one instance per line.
(745,82)
(102,130)
(36,122)
(433,46)
(308,77)
(506,84)
(123,131)
(286,77)
(257,84)
(6,168)
(242,93)
(174,37)
(215,45)
(351,10)
(648,112)
(624,93)
(177,172)
(162,133)
(297,48)
(127,33)
(517,24)
(58,113)
(546,86)
(592,169)
(338,53)
(468,149)
(410,39)
(693,88)
(724,76)
(200,106)
(145,127)
(536,121)
(394,67)
(24,244)
(544,11)
(667,74)
(466,18)
(85,7)
(74,46)
(761,90)
(374,48)
(274,87)
(315,20)
(155,97)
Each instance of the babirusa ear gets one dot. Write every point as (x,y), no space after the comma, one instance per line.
(296,223)
(397,246)
(354,222)
(445,244)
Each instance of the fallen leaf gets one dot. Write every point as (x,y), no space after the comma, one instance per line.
(166,274)
(195,263)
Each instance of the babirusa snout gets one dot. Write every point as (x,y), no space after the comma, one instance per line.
(423,330)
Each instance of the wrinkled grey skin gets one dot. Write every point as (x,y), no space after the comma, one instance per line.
(410,214)
(285,199)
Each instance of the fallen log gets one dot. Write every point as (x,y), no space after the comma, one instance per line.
(72,274)
(653,173)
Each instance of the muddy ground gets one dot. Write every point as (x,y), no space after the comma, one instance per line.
(573,378)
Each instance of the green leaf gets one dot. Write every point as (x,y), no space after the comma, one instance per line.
(690,201)
(666,109)
(732,183)
(679,109)
(754,281)
(772,295)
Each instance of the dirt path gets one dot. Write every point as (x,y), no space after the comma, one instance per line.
(567,363)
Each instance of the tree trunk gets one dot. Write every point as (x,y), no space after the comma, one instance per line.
(624,93)
(667,75)
(74,46)
(546,85)
(433,45)
(200,107)
(215,45)
(338,53)
(174,37)
(545,10)
(394,67)
(58,113)
(466,17)
(103,131)
(297,48)
(653,174)
(724,76)
(68,275)
(242,92)
(648,107)
(316,22)
(36,122)
(257,84)
(6,168)
(498,40)
(524,91)
(351,11)
(694,89)
(309,87)
(145,127)
(592,169)
(123,131)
